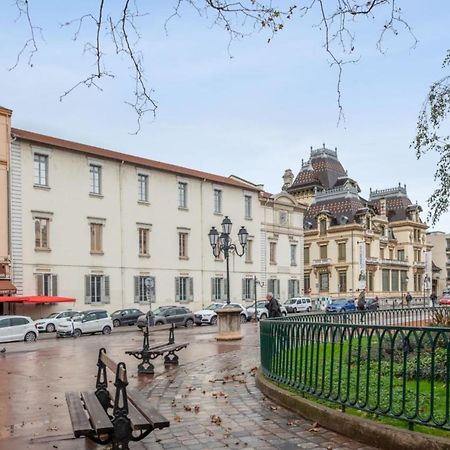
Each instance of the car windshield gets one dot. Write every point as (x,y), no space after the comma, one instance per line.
(78,317)
(338,302)
(50,316)
(160,310)
(116,312)
(291,301)
(213,306)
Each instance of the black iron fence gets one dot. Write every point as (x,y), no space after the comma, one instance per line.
(372,361)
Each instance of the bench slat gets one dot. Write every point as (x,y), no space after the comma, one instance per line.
(80,423)
(150,413)
(138,421)
(169,348)
(99,419)
(150,348)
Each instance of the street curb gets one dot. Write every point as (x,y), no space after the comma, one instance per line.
(366,431)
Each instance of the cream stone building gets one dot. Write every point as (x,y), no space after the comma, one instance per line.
(441,260)
(352,243)
(97,225)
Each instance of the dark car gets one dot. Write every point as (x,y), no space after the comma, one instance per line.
(178,315)
(372,303)
(341,305)
(125,316)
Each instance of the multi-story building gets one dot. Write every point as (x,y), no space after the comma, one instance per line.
(352,243)
(441,260)
(117,230)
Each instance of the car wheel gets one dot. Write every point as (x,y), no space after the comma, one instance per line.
(106,330)
(263,316)
(30,337)
(309,309)
(284,314)
(213,320)
(77,332)
(243,318)
(189,323)
(50,328)
(198,324)
(159,323)
(116,323)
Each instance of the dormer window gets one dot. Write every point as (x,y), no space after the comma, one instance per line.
(322,227)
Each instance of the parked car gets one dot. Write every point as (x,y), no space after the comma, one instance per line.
(263,313)
(17,328)
(341,305)
(298,304)
(244,314)
(445,300)
(207,315)
(91,321)
(125,317)
(372,303)
(179,315)
(49,323)
(150,316)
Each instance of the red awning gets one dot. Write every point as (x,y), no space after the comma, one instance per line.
(36,299)
(7,286)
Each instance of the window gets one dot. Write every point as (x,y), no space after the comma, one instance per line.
(391,253)
(248,206)
(403,280)
(369,277)
(322,227)
(342,281)
(16,321)
(417,254)
(143,241)
(40,170)
(382,252)
(273,285)
(143,188)
(46,284)
(97,289)
(394,281)
(249,251)
(401,255)
(307,282)
(41,238)
(385,278)
(323,252)
(184,289)
(306,255)
(367,249)
(96,238)
(324,281)
(273,252)
(417,281)
(183,245)
(144,289)
(293,255)
(218,289)
(217,201)
(96,179)
(342,251)
(248,288)
(293,288)
(182,195)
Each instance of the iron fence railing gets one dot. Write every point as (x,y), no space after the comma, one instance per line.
(393,370)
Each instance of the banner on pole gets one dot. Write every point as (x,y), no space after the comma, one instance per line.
(362,265)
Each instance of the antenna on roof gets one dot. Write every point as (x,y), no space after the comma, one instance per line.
(324,145)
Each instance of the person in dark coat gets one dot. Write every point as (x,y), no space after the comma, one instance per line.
(408,299)
(361,302)
(273,306)
(433,298)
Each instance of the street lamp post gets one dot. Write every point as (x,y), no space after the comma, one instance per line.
(223,244)
(260,283)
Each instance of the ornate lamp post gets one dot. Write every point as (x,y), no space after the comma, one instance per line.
(222,244)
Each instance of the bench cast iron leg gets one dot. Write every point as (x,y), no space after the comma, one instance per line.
(171,358)
(146,366)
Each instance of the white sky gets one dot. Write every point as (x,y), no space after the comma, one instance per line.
(253,115)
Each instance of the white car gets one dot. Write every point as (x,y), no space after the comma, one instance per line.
(207,315)
(17,328)
(262,310)
(298,304)
(49,323)
(92,321)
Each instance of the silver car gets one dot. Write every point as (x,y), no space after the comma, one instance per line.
(17,328)
(178,315)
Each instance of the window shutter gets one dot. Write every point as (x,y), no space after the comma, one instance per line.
(213,291)
(39,284)
(54,285)
(177,289)
(152,291)
(87,289)
(252,289)
(191,289)
(106,298)
(136,289)
(243,288)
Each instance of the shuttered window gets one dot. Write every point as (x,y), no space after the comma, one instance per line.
(184,289)
(218,289)
(248,287)
(97,289)
(46,284)
(144,289)
(293,288)
(273,285)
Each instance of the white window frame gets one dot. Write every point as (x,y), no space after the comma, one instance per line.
(97,288)
(144,250)
(247,206)
(38,235)
(183,247)
(293,249)
(218,289)
(142,179)
(248,288)
(249,251)
(40,169)
(95,179)
(184,289)
(182,194)
(46,284)
(218,194)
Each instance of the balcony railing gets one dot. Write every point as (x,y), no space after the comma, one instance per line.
(394,262)
(371,260)
(321,262)
(419,264)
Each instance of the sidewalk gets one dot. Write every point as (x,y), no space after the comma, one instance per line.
(211,399)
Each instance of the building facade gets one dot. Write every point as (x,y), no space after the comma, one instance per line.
(115,230)
(441,260)
(352,243)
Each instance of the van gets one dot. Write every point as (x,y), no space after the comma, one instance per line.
(298,304)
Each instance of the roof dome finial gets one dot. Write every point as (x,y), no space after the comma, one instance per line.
(324,145)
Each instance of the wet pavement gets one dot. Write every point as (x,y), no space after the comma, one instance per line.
(210,399)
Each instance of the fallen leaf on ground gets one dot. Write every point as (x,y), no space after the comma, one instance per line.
(178,419)
(216,419)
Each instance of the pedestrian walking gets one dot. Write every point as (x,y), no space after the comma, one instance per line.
(273,306)
(408,299)
(361,303)
(433,298)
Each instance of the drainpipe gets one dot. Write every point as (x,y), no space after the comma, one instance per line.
(121,237)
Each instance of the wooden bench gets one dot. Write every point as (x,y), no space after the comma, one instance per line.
(112,418)
(149,352)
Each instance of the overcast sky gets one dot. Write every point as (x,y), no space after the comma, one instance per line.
(254,114)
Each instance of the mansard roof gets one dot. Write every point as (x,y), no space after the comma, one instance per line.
(398,204)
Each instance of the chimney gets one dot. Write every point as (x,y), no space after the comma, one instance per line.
(383,207)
